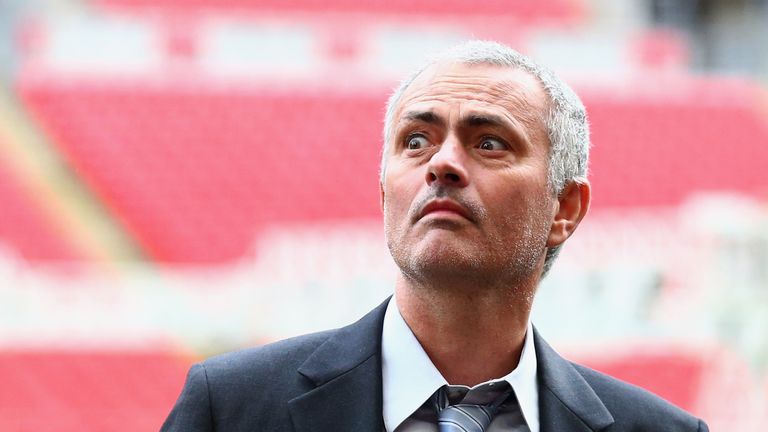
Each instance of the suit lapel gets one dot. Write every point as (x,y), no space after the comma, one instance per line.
(566,400)
(346,370)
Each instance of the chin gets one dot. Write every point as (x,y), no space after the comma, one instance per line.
(442,261)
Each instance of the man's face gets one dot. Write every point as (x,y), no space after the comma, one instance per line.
(465,192)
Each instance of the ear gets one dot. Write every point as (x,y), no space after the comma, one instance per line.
(572,205)
(381,193)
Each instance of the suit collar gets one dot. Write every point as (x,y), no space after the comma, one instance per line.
(409,377)
(346,370)
(566,400)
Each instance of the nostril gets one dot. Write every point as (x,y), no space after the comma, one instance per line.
(432,177)
(452,177)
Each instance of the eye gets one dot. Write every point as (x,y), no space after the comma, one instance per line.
(489,143)
(416,142)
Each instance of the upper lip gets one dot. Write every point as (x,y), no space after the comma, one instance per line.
(444,204)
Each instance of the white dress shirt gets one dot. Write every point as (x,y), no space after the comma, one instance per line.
(409,378)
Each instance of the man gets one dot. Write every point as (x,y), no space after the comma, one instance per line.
(483,179)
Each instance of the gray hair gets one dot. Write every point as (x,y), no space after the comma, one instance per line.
(565,119)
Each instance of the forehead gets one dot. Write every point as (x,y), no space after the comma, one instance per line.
(513,91)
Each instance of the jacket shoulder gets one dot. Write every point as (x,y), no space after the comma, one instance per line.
(252,389)
(265,360)
(263,375)
(232,391)
(635,408)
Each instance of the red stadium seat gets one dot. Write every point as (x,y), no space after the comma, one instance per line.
(76,391)
(674,376)
(656,150)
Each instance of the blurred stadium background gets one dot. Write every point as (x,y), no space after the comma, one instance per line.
(180,178)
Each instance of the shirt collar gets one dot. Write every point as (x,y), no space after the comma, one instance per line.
(409,378)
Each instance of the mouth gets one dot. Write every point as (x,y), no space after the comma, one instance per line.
(444,208)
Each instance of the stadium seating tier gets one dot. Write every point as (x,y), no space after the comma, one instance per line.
(530,10)
(98,391)
(656,152)
(195,175)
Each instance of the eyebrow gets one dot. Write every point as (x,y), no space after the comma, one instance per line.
(472,120)
(475,120)
(428,117)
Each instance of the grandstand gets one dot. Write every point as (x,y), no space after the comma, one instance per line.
(150,154)
(182,154)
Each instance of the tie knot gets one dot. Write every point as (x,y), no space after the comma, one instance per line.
(469,414)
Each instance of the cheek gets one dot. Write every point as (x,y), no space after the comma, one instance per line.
(399,193)
(527,206)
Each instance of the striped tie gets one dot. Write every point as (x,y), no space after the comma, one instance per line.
(465,417)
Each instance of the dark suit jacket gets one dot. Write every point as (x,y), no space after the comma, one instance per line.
(331,381)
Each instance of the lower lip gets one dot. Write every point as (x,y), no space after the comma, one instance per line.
(442,214)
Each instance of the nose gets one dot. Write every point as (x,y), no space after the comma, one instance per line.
(447,165)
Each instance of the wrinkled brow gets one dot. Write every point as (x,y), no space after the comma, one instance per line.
(471,120)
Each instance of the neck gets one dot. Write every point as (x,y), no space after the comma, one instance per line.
(471,334)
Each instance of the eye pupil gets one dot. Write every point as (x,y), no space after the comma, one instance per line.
(414,143)
(491,144)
